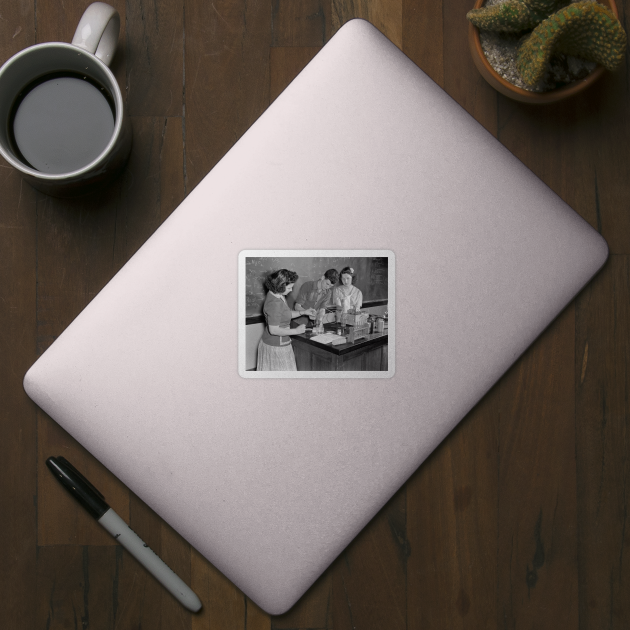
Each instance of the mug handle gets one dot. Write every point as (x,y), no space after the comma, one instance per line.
(98,30)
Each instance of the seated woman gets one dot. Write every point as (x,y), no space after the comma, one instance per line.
(317,294)
(275,352)
(347,295)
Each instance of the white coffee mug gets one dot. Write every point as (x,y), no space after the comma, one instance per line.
(96,110)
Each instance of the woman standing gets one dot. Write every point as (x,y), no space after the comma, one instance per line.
(347,295)
(275,351)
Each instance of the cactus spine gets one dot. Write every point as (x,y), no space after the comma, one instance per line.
(513,16)
(583,29)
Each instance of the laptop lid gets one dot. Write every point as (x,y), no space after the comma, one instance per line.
(270,478)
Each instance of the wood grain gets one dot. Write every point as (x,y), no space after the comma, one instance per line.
(224,606)
(18,416)
(285,64)
(422,36)
(369,577)
(313,609)
(386,15)
(537,536)
(154,58)
(300,23)
(602,379)
(226,78)
(76,587)
(461,79)
(452,516)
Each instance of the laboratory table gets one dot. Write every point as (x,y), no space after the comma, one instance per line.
(368,354)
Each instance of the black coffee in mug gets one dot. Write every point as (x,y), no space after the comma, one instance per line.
(61,122)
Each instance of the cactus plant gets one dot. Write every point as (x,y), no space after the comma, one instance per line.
(583,29)
(513,16)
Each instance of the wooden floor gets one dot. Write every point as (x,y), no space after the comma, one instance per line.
(518,520)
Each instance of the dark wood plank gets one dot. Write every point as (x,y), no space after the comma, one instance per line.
(452,527)
(76,587)
(226,78)
(154,57)
(58,22)
(572,147)
(313,610)
(285,64)
(386,15)
(300,22)
(224,606)
(369,577)
(537,537)
(18,416)
(152,185)
(17,28)
(608,135)
(558,147)
(603,468)
(461,78)
(422,36)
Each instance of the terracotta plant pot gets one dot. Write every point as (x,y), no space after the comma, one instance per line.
(519,94)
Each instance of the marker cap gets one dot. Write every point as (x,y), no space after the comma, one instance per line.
(78,486)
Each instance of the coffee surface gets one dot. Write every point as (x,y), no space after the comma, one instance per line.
(62,124)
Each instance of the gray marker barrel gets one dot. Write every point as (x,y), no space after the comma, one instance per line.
(149,559)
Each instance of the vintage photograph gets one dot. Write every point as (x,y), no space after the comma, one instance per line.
(309,313)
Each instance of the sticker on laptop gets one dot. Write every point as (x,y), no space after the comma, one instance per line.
(316,313)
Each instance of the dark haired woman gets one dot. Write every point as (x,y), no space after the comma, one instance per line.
(347,295)
(275,351)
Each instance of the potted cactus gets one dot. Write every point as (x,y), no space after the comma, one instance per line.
(558,49)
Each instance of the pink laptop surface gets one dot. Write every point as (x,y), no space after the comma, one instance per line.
(270,478)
